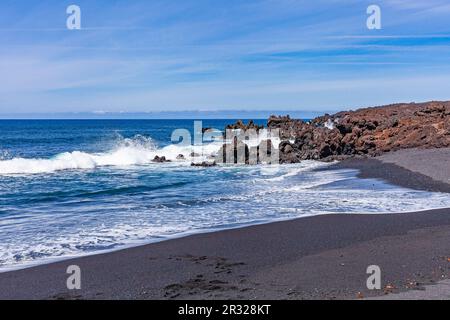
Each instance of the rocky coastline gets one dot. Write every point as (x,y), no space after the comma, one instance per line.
(365,132)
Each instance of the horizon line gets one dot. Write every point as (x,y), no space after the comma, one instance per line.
(161,115)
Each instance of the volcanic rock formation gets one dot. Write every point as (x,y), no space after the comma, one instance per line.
(369,131)
(364,132)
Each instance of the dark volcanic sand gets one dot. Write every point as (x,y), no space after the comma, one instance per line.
(394,174)
(322,257)
(419,161)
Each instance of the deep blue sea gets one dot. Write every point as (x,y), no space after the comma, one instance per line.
(71,188)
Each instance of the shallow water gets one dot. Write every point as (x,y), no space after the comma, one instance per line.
(70,188)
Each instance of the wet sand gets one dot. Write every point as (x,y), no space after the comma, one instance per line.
(322,257)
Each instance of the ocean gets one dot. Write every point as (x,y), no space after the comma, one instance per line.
(77,187)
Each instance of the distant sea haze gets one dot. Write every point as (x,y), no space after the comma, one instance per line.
(231,114)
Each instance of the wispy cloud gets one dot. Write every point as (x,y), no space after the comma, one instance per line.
(157,55)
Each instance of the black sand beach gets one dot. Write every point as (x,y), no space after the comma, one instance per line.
(322,257)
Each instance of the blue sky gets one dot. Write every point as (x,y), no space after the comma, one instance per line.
(143,56)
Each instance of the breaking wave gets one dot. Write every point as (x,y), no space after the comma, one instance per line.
(138,150)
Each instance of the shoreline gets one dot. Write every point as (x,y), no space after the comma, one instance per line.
(252,262)
(365,166)
(315,257)
(188,234)
(392,173)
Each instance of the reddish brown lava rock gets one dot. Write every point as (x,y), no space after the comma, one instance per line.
(369,131)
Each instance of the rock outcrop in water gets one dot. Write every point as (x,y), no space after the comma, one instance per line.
(159,159)
(204,164)
(369,131)
(240,152)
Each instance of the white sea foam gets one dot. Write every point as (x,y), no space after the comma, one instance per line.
(228,200)
(127,152)
(139,150)
(307,165)
(4,155)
